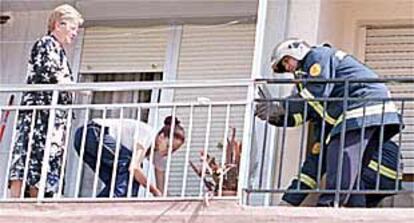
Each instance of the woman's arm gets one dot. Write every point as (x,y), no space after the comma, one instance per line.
(159,178)
(142,179)
(139,175)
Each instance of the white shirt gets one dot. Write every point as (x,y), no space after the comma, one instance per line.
(133,131)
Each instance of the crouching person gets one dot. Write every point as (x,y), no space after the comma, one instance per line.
(387,169)
(135,135)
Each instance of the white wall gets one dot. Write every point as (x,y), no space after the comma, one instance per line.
(340,19)
(17,37)
(303,19)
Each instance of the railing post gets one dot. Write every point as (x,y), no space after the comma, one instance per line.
(246,145)
(10,155)
(45,161)
(338,188)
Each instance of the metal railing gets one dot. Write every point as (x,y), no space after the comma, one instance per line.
(206,120)
(214,128)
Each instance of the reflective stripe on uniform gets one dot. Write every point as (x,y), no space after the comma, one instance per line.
(340,54)
(383,170)
(309,181)
(317,106)
(298,119)
(369,110)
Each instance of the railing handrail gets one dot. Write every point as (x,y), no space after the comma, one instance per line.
(125,86)
(148,85)
(333,80)
(124,105)
(162,85)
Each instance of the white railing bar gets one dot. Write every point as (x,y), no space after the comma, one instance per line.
(29,153)
(206,144)
(247,137)
(124,105)
(81,154)
(170,147)
(151,157)
(224,154)
(65,153)
(134,148)
(46,155)
(98,156)
(117,151)
(187,153)
(1,119)
(9,161)
(125,86)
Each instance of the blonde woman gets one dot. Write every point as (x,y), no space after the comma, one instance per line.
(48,64)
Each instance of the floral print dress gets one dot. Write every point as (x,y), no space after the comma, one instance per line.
(48,64)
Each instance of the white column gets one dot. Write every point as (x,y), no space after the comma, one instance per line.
(303,19)
(270,29)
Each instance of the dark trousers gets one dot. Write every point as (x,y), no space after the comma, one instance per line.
(367,181)
(351,157)
(309,170)
(107,160)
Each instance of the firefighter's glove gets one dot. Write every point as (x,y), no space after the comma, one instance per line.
(271,110)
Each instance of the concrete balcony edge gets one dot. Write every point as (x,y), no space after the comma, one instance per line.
(191,211)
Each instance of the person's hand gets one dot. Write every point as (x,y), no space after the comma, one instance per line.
(156,192)
(271,110)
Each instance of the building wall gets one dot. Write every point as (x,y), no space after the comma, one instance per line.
(303,19)
(340,19)
(17,37)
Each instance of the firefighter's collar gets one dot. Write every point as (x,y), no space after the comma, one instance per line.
(299,73)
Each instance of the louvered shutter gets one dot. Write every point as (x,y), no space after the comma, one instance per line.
(390,52)
(108,49)
(210,53)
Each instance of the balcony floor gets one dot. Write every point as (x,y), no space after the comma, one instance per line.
(190,211)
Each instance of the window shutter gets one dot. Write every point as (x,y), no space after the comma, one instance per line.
(108,49)
(210,53)
(390,52)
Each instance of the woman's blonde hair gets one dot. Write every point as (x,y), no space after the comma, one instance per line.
(61,13)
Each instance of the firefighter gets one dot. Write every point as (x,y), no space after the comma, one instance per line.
(366,123)
(314,164)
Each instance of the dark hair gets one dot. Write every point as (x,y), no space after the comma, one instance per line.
(279,68)
(178,129)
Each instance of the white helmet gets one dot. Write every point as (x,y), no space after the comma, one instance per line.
(295,48)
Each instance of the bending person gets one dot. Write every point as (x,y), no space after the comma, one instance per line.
(315,158)
(379,119)
(135,135)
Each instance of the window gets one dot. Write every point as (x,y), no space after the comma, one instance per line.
(117,97)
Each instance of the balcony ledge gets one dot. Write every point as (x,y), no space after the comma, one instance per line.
(190,211)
